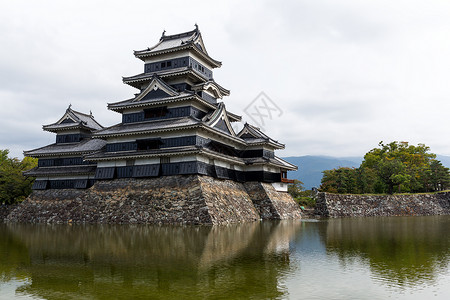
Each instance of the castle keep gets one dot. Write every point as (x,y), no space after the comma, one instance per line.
(175,125)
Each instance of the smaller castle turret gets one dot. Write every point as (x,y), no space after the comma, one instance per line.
(62,164)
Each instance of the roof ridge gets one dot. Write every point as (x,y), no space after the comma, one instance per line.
(179,35)
(83,114)
(90,116)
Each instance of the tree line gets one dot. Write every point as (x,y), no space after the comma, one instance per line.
(14,187)
(396,167)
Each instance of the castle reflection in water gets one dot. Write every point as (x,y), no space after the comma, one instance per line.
(254,260)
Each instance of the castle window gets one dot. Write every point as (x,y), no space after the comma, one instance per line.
(163,65)
(155,112)
(169,64)
(148,144)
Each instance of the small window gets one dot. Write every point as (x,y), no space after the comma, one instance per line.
(148,144)
(169,64)
(165,160)
(155,112)
(163,65)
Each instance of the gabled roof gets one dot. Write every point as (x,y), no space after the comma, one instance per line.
(157,88)
(276,161)
(186,40)
(74,120)
(234,117)
(286,164)
(253,136)
(219,120)
(212,87)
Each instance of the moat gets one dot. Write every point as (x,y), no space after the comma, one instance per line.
(347,258)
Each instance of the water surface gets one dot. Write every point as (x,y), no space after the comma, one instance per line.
(362,258)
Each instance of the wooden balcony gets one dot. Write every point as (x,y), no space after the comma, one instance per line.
(285,180)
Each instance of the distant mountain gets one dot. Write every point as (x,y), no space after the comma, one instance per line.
(311,167)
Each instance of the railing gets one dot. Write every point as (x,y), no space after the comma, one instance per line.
(285,180)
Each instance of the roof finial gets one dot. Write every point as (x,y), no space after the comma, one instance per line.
(70,105)
(164,33)
(196,26)
(90,113)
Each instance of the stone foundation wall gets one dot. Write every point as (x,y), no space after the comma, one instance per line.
(5,210)
(337,205)
(270,203)
(190,199)
(227,201)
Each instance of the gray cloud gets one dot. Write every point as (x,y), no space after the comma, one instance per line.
(346,74)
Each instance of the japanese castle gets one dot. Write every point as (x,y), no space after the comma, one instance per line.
(176,124)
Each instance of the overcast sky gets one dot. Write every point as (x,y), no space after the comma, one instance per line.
(345,74)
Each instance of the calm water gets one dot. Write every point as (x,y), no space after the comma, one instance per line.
(365,258)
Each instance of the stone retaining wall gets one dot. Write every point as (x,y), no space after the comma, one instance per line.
(271,204)
(190,199)
(338,205)
(5,210)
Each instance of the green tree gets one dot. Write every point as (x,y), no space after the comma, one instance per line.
(341,180)
(295,188)
(438,176)
(400,167)
(366,180)
(14,187)
(390,168)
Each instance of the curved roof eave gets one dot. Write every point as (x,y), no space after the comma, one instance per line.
(148,53)
(135,81)
(159,102)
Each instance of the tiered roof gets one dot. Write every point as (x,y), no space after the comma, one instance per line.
(157,92)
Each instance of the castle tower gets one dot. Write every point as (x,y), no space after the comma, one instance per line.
(177,123)
(174,158)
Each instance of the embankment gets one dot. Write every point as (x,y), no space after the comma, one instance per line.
(338,205)
(188,199)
